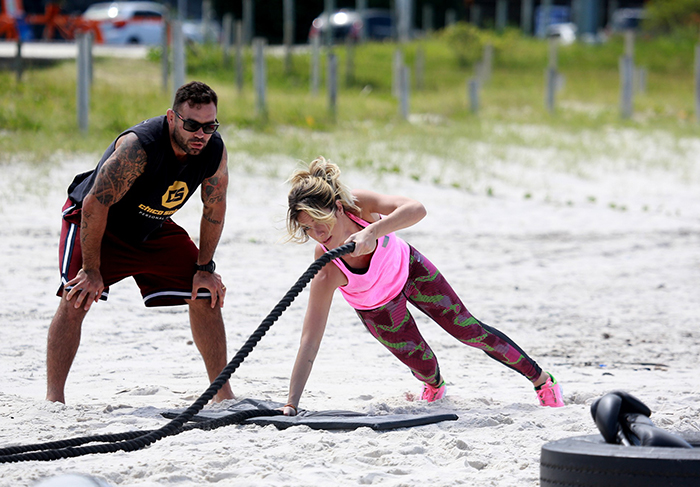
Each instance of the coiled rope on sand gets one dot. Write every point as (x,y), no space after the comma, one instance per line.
(136,440)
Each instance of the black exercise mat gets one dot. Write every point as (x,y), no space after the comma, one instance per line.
(320,420)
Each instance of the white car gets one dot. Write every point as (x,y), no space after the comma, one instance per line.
(565,32)
(128,22)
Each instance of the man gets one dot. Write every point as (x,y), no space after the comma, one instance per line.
(116,224)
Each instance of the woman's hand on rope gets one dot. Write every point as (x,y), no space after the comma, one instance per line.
(365,242)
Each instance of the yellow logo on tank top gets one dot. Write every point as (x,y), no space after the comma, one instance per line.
(175,194)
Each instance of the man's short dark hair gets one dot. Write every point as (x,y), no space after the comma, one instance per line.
(195,93)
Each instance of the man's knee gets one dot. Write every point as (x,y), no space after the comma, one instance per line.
(68,313)
(199,304)
(201,310)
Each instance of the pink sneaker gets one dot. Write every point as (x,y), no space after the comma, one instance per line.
(549,393)
(432,393)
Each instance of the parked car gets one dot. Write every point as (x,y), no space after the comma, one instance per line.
(344,23)
(565,32)
(627,18)
(142,22)
(548,16)
(128,22)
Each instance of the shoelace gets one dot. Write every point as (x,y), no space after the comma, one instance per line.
(430,392)
(545,393)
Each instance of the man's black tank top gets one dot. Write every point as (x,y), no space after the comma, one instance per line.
(163,188)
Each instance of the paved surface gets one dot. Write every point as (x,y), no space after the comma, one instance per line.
(67,50)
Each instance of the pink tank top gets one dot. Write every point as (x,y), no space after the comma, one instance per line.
(385,277)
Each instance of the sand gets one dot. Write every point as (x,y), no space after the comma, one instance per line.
(595,273)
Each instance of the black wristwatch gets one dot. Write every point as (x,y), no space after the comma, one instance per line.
(206,267)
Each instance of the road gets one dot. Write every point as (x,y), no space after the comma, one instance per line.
(67,50)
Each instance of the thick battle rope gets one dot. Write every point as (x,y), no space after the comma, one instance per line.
(137,440)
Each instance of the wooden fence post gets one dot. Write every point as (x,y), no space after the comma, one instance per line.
(315,64)
(179,60)
(288,33)
(427,19)
(420,68)
(260,77)
(18,60)
(627,76)
(165,51)
(227,24)
(697,82)
(239,55)
(248,22)
(332,84)
(487,63)
(473,94)
(404,84)
(349,61)
(526,9)
(83,85)
(396,71)
(551,76)
(361,7)
(501,15)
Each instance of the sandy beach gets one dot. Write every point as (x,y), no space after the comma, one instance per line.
(595,273)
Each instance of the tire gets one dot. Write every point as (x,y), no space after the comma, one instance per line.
(588,461)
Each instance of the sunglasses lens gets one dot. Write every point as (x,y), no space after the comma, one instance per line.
(190,125)
(193,126)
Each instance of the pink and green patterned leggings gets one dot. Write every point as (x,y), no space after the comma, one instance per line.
(427,289)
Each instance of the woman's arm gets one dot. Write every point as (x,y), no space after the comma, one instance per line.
(399,212)
(320,297)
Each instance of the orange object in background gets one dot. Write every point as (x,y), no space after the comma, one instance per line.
(54,22)
(11,11)
(67,26)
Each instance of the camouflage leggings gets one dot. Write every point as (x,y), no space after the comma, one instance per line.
(395,328)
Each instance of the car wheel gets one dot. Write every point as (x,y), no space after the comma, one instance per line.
(588,461)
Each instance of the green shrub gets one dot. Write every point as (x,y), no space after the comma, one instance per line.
(466,41)
(674,16)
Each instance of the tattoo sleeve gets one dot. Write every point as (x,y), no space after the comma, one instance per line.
(213,190)
(119,171)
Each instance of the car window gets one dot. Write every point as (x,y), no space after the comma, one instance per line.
(147,14)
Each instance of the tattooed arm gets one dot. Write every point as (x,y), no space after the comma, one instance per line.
(114,179)
(214,212)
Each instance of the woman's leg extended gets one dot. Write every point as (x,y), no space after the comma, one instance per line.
(430,292)
(394,327)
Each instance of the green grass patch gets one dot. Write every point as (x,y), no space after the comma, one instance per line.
(38,115)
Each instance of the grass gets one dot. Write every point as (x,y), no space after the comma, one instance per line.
(38,116)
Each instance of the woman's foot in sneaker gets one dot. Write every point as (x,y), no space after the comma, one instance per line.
(550,393)
(433,393)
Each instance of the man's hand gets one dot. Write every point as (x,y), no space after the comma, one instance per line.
(86,288)
(212,282)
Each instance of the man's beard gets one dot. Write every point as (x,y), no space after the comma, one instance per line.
(181,142)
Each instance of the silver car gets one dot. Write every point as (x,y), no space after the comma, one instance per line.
(128,22)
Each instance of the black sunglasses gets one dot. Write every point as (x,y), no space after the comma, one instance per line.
(193,125)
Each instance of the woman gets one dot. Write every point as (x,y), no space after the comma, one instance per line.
(379,278)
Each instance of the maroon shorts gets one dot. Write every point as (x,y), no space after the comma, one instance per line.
(163,266)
